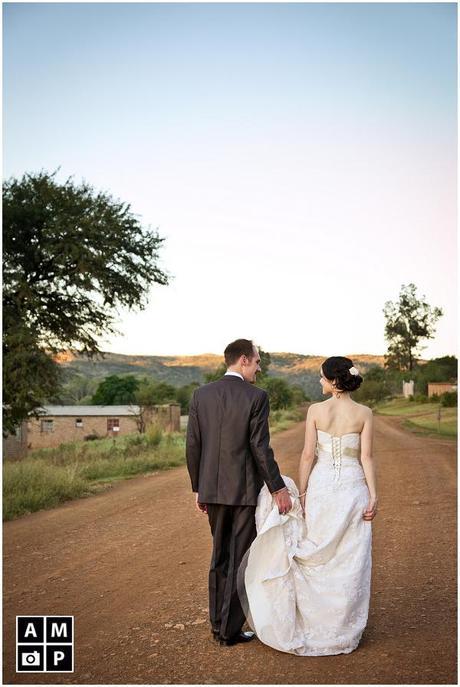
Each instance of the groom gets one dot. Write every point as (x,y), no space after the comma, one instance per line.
(229,458)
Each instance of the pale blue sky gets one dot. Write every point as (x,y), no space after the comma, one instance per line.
(298,158)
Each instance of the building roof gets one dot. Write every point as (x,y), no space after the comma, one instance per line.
(451,383)
(85,411)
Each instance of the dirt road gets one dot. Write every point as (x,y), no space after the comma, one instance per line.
(131,566)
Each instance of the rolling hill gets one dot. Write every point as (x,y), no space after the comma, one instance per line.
(181,370)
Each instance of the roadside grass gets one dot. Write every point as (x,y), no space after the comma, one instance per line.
(283,419)
(422,418)
(48,477)
(447,427)
(30,485)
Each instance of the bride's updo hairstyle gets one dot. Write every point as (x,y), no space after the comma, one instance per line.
(337,369)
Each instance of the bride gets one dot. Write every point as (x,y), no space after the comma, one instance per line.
(305,581)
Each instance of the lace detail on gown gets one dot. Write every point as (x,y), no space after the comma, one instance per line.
(305,583)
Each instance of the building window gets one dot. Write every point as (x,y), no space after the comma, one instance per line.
(113,424)
(79,422)
(47,425)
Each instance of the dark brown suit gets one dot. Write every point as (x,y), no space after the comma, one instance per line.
(229,458)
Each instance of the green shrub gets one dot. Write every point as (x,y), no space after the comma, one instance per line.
(135,440)
(279,392)
(421,398)
(283,419)
(418,398)
(153,436)
(449,399)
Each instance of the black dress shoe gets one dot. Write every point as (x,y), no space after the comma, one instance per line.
(240,638)
(215,634)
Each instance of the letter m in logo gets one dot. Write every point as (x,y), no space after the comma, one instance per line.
(58,630)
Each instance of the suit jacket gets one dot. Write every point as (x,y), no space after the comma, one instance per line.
(228,443)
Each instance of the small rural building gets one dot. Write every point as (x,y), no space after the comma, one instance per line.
(62,424)
(408,388)
(15,445)
(438,388)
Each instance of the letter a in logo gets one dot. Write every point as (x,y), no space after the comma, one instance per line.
(30,630)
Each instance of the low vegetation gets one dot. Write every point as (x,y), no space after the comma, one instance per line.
(283,419)
(48,477)
(422,415)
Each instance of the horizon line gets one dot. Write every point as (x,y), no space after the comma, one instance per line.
(210,353)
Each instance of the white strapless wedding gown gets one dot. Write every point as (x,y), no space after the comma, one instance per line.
(305,583)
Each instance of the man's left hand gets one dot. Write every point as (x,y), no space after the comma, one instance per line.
(201,507)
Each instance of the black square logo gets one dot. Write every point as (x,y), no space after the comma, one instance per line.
(30,629)
(44,644)
(58,658)
(31,658)
(59,628)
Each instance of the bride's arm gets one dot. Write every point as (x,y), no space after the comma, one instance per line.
(367,439)
(308,454)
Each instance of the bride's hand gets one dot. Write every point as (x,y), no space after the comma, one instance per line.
(302,504)
(371,510)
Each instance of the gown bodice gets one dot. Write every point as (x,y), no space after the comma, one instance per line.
(338,458)
(344,449)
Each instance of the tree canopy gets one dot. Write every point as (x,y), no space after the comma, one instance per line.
(279,392)
(152,393)
(72,257)
(116,390)
(408,322)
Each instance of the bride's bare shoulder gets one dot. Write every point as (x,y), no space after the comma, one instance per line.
(314,409)
(365,410)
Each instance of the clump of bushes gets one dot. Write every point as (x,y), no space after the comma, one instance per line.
(449,399)
(419,398)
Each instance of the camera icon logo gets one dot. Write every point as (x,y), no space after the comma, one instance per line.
(31,658)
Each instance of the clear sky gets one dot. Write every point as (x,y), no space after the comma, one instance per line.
(299,159)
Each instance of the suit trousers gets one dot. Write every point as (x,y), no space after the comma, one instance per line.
(233,531)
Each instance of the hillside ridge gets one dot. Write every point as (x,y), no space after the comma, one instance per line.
(181,370)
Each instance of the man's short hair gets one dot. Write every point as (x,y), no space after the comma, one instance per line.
(236,349)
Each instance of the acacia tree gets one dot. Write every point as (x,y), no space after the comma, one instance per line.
(72,256)
(408,322)
(116,390)
(148,395)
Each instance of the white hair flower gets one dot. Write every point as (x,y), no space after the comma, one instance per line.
(354,371)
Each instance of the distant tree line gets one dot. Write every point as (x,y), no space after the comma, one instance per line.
(385,382)
(147,392)
(144,391)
